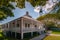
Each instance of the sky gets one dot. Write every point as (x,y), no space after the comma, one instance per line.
(20,12)
(32,11)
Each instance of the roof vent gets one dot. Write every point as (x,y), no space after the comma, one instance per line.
(27,14)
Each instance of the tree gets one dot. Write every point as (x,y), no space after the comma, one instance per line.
(50,20)
(6,8)
(49,16)
(49,25)
(21,3)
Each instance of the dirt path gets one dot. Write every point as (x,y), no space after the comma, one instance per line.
(54,34)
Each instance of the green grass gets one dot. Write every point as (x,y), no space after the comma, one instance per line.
(52,38)
(55,32)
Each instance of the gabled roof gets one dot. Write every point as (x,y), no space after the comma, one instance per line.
(30,17)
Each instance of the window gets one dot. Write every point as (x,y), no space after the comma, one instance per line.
(25,25)
(6,25)
(44,26)
(28,25)
(35,25)
(17,25)
(13,24)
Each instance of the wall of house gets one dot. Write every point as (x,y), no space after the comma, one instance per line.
(28,26)
(31,26)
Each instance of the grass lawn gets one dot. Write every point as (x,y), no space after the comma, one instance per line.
(52,38)
(55,32)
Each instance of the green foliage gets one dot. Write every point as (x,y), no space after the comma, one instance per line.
(50,19)
(49,16)
(1,36)
(37,2)
(49,24)
(21,3)
(5,9)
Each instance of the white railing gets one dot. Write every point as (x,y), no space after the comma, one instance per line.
(17,29)
(5,29)
(30,30)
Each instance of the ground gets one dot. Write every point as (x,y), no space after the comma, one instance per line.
(55,36)
(52,38)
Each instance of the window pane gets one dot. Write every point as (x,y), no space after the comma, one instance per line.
(13,24)
(35,25)
(17,25)
(28,25)
(6,25)
(25,25)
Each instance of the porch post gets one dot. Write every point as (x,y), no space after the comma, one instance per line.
(15,27)
(21,28)
(8,25)
(32,28)
(8,29)
(11,27)
(11,33)
(32,34)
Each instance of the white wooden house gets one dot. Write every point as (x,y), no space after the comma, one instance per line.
(24,24)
